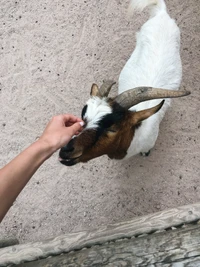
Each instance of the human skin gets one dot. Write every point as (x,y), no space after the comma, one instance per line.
(15,175)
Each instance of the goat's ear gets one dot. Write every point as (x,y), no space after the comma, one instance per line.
(146,113)
(94,90)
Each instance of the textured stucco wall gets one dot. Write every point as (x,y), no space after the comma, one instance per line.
(50,54)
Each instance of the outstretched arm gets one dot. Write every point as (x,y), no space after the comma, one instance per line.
(15,175)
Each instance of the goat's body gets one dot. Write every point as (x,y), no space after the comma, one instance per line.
(110,128)
(155,62)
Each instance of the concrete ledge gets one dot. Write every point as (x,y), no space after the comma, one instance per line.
(87,239)
(8,242)
(177,247)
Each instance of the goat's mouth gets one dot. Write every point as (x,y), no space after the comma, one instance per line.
(69,162)
(68,156)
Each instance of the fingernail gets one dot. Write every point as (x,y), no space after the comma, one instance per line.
(81,123)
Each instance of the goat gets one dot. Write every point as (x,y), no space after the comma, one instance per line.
(124,126)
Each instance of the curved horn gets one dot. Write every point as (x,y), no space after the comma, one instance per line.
(105,88)
(134,96)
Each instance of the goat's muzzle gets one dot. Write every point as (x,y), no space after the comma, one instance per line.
(66,154)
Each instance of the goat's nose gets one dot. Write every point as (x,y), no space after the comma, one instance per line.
(64,152)
(68,148)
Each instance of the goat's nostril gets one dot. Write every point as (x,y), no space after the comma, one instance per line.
(67,149)
(65,152)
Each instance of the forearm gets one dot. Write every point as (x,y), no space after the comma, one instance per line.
(15,175)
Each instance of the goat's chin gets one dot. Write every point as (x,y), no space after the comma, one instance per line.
(69,162)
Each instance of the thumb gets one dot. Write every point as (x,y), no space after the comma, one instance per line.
(76,127)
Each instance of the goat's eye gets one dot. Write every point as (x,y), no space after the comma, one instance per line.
(83,111)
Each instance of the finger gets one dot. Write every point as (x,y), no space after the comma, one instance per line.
(78,132)
(69,123)
(70,118)
(76,127)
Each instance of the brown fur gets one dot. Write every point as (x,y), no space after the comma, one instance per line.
(113,143)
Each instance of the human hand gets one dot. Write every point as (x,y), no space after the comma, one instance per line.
(60,130)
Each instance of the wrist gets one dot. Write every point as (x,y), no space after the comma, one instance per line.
(45,148)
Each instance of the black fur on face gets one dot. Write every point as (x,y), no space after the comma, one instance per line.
(114,118)
(83,111)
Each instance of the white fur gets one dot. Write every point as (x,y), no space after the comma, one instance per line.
(155,5)
(97,108)
(154,62)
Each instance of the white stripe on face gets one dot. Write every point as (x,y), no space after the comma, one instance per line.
(97,108)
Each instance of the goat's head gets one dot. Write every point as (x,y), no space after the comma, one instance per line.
(109,124)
